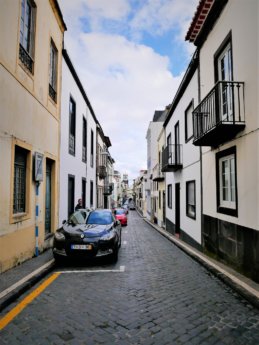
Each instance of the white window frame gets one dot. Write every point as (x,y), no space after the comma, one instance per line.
(227,181)
(189,122)
(191,200)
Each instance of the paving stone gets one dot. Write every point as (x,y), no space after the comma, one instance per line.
(163,297)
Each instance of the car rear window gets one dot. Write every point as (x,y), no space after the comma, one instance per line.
(120,212)
(102,218)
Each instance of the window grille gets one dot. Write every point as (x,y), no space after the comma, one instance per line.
(19,195)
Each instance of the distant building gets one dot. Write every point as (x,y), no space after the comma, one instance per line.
(153,131)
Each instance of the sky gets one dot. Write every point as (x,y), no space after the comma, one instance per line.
(130,56)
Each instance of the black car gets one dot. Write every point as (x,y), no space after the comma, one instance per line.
(97,235)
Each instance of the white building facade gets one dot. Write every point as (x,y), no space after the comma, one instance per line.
(226,128)
(181,162)
(78,144)
(153,132)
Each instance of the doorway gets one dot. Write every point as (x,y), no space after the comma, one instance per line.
(48,197)
(177,209)
(71,194)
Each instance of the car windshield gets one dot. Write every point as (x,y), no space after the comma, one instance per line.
(78,217)
(100,217)
(120,212)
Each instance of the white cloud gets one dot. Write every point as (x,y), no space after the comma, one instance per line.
(125,81)
(161,15)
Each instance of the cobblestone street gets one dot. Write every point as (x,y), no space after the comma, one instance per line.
(155,294)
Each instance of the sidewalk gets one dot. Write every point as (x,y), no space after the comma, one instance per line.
(17,280)
(243,285)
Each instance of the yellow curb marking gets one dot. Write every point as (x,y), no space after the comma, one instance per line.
(23,304)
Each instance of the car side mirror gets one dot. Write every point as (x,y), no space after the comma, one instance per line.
(64,221)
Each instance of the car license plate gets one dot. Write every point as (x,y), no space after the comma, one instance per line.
(81,246)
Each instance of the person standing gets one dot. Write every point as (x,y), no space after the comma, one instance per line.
(79,204)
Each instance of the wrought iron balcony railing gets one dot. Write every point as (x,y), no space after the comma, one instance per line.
(220,115)
(108,189)
(84,153)
(72,143)
(158,175)
(172,159)
(25,58)
(102,171)
(52,93)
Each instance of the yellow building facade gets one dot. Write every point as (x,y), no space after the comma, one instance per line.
(31,37)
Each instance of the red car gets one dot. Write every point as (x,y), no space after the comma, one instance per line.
(120,214)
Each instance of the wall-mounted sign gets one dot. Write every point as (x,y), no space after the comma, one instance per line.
(38,176)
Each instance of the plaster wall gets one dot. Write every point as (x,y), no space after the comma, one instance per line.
(245,69)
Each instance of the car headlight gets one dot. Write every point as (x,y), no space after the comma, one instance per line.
(107,237)
(59,236)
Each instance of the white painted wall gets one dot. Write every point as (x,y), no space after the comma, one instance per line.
(191,165)
(70,164)
(153,132)
(241,18)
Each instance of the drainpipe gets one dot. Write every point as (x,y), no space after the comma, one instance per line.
(201,184)
(37,219)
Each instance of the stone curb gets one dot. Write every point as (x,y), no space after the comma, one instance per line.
(12,293)
(245,291)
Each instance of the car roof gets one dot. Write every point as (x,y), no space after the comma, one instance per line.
(102,210)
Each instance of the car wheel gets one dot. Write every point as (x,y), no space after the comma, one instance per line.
(58,259)
(114,256)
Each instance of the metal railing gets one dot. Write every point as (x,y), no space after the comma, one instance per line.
(172,156)
(157,173)
(224,104)
(102,171)
(72,144)
(108,189)
(52,93)
(25,58)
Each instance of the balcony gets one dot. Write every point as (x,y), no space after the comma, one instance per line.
(220,115)
(102,171)
(107,189)
(172,159)
(25,58)
(158,175)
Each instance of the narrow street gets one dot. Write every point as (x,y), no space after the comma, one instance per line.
(155,294)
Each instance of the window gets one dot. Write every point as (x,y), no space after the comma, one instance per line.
(169,196)
(84,140)
(188,122)
(19,190)
(53,71)
(226,182)
(177,143)
(159,199)
(83,192)
(190,199)
(27,33)
(224,72)
(72,127)
(92,149)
